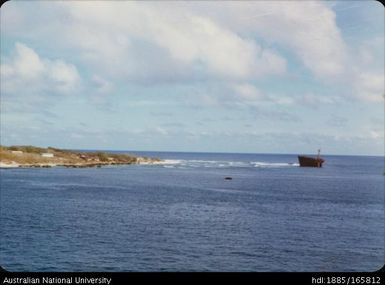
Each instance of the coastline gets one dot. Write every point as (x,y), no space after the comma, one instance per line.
(35,157)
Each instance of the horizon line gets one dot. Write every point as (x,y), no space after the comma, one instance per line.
(185,151)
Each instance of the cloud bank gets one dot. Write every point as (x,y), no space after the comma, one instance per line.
(27,68)
(283,65)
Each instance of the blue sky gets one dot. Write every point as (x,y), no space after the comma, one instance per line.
(253,76)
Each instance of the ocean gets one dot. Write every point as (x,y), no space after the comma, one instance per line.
(184,215)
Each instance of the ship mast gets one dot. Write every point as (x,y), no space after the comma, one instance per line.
(318,158)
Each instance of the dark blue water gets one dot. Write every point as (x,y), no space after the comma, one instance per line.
(184,216)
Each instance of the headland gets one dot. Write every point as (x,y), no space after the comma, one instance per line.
(31,156)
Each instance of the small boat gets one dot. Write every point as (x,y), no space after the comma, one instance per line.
(306,161)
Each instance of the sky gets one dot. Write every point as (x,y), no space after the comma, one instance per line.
(204,76)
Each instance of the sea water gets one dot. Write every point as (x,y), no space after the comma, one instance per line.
(182,215)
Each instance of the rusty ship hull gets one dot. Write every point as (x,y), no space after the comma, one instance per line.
(306,161)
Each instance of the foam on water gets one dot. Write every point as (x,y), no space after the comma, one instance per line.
(170,161)
(177,163)
(273,164)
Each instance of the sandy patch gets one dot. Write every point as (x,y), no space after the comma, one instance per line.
(8,165)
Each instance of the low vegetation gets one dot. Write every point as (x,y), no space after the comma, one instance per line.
(30,156)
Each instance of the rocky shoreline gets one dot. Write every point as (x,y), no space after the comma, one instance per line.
(35,157)
(87,165)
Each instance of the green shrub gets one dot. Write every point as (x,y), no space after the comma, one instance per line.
(14,148)
(102,156)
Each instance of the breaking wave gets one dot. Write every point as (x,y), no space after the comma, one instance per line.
(273,164)
(181,163)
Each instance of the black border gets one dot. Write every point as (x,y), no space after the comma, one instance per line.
(230,277)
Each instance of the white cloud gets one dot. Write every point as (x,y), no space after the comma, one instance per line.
(235,41)
(133,39)
(26,64)
(366,75)
(223,52)
(314,101)
(376,134)
(27,68)
(370,86)
(63,76)
(247,92)
(161,131)
(307,28)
